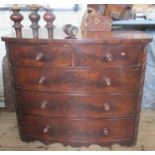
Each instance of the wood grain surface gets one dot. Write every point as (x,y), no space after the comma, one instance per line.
(10,139)
(69,91)
(77,105)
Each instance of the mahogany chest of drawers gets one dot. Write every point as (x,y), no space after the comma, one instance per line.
(78,91)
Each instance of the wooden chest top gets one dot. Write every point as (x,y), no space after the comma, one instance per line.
(115,37)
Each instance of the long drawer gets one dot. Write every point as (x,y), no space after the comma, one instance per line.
(42,55)
(75,80)
(77,105)
(86,130)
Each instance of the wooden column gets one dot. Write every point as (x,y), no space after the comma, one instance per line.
(49,17)
(16,17)
(34,17)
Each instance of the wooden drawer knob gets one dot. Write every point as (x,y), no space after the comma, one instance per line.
(39,57)
(107,107)
(105,132)
(43,104)
(123,54)
(107,81)
(108,57)
(42,80)
(46,129)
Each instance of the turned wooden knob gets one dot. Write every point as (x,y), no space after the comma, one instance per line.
(107,81)
(46,129)
(107,107)
(105,131)
(43,104)
(108,57)
(39,57)
(34,17)
(16,17)
(42,80)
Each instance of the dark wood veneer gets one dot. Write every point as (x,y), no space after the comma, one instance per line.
(78,129)
(76,105)
(100,56)
(41,55)
(86,80)
(78,91)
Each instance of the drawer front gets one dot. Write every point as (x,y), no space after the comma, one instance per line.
(107,56)
(77,130)
(60,55)
(77,105)
(59,80)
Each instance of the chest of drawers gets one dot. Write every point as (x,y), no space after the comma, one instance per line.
(79,91)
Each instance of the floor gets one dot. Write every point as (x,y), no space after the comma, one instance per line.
(9,137)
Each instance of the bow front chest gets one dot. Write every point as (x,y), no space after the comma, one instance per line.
(79,91)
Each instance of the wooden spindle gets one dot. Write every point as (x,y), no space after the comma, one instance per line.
(49,17)
(34,17)
(16,17)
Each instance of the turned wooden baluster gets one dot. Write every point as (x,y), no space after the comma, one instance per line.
(34,17)
(16,17)
(49,17)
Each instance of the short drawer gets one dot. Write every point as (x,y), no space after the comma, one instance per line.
(77,80)
(106,55)
(77,105)
(43,55)
(45,128)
